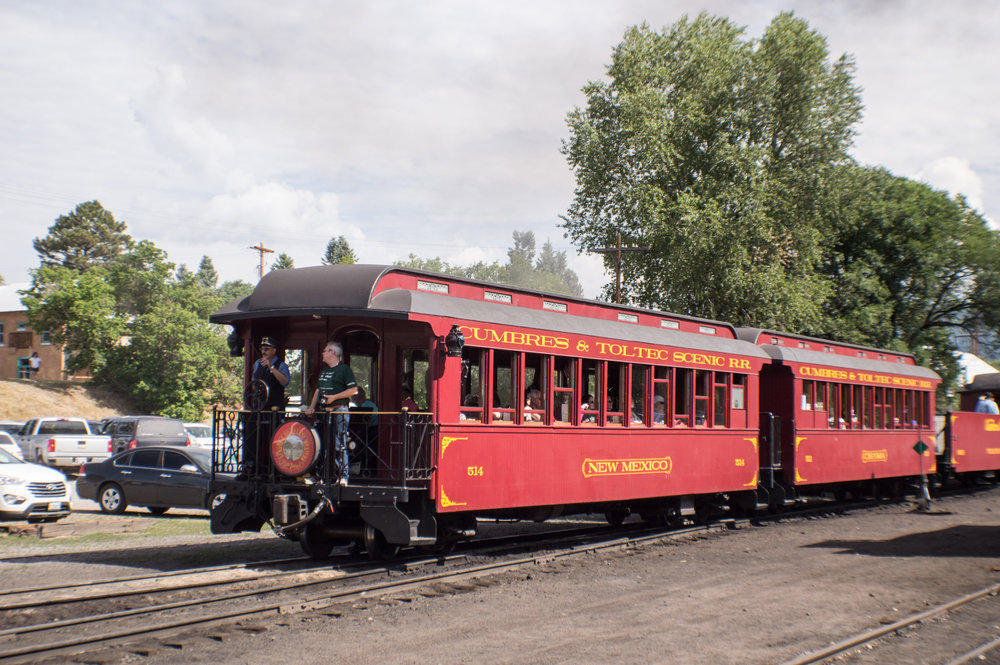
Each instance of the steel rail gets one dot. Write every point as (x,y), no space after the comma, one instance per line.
(149,576)
(861,638)
(316,602)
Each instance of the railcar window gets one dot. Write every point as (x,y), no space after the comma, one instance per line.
(681,411)
(844,421)
(738,399)
(866,413)
(616,393)
(535,387)
(879,406)
(473,383)
(661,395)
(505,398)
(807,395)
(720,388)
(416,375)
(592,387)
(640,381)
(563,395)
(703,380)
(925,411)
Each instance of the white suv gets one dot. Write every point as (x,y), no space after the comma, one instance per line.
(31,491)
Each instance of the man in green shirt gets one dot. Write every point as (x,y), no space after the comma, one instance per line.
(335,388)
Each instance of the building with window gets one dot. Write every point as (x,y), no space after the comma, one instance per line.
(18,340)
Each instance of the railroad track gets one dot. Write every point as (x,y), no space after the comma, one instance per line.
(963,630)
(63,633)
(52,622)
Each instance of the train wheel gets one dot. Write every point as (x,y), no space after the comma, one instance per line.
(615,516)
(377,547)
(315,543)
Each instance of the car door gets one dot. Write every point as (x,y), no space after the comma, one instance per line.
(185,486)
(122,434)
(141,477)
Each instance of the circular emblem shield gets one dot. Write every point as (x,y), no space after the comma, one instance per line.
(295,448)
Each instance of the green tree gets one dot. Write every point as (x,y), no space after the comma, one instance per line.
(138,325)
(88,236)
(548,273)
(338,250)
(207,275)
(707,147)
(79,308)
(283,262)
(908,267)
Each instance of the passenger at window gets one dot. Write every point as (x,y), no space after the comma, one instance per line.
(533,404)
(365,404)
(408,404)
(986,404)
(588,405)
(659,409)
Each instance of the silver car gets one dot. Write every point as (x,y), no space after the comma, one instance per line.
(31,491)
(201,434)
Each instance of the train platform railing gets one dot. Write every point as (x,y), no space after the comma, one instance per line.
(385,447)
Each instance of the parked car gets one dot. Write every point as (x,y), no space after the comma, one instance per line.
(157,477)
(62,442)
(31,491)
(129,432)
(201,434)
(10,426)
(8,443)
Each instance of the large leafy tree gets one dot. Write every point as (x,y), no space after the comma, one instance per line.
(908,266)
(136,324)
(707,147)
(89,236)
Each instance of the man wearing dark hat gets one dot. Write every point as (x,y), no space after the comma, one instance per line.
(273,371)
(270,370)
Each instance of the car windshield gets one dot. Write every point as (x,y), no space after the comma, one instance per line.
(202,457)
(7,458)
(161,427)
(200,430)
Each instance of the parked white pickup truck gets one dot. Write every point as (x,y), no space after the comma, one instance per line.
(62,442)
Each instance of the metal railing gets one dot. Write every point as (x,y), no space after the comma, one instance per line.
(388,447)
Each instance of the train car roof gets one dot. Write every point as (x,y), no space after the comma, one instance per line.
(824,358)
(353,290)
(989,382)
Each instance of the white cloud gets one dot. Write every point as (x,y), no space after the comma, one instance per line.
(431,128)
(955,176)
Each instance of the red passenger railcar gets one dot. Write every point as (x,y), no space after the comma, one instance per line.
(973,442)
(842,414)
(529,405)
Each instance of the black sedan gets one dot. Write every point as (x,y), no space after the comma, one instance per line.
(157,477)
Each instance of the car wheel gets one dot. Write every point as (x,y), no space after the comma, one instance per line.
(112,499)
(157,510)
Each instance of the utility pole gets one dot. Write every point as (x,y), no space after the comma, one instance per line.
(263,250)
(617,251)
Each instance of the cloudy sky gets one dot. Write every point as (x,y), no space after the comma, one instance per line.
(427,127)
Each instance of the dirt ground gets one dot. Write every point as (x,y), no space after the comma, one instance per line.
(755,595)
